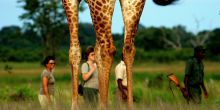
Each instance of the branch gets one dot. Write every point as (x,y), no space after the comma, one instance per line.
(178,39)
(193,42)
(205,38)
(169,42)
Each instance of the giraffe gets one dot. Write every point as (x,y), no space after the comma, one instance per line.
(101,12)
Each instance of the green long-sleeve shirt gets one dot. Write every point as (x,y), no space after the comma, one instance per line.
(195,71)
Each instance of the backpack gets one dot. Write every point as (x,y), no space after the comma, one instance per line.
(81,84)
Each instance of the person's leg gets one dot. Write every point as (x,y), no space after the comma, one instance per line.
(43,101)
(90,97)
(120,103)
(195,95)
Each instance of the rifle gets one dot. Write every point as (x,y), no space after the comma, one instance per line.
(173,78)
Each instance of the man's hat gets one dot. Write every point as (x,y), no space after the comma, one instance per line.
(199,49)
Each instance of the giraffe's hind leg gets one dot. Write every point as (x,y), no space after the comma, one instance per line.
(104,59)
(131,10)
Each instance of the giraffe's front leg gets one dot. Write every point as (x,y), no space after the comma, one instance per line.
(71,9)
(74,59)
(131,10)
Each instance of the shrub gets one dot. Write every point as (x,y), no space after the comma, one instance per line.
(22,94)
(4,93)
(163,55)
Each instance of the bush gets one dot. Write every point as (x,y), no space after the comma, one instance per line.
(4,93)
(163,55)
(19,55)
(22,94)
(137,94)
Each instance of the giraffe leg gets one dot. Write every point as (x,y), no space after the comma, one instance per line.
(131,10)
(71,8)
(101,12)
(128,55)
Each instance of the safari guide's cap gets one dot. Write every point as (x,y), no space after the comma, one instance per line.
(199,49)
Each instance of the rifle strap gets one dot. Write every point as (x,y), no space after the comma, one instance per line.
(171,88)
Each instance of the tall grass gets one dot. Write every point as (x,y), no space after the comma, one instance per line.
(146,98)
(24,84)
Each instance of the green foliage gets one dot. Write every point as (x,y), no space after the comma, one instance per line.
(22,94)
(4,93)
(14,90)
(138,93)
(213,45)
(163,55)
(118,41)
(156,82)
(64,77)
(47,19)
(62,56)
(8,68)
(149,39)
(8,54)
(213,76)
(27,45)
(86,34)
(13,37)
(19,93)
(163,38)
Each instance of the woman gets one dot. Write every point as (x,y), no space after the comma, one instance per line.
(47,79)
(90,77)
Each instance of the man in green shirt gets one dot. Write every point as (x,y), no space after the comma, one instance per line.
(194,76)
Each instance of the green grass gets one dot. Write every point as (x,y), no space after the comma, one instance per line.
(24,81)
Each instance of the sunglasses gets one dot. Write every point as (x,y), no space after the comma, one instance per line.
(52,63)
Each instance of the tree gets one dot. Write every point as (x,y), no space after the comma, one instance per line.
(11,37)
(200,38)
(47,19)
(213,42)
(177,37)
(149,39)
(18,45)
(86,34)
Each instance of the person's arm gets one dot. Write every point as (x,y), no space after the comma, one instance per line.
(186,82)
(120,86)
(45,87)
(188,70)
(204,90)
(86,76)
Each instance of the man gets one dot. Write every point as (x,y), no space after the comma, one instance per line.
(121,80)
(194,76)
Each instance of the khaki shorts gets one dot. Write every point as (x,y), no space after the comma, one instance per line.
(44,102)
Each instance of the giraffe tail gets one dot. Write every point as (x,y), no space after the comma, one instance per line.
(164,2)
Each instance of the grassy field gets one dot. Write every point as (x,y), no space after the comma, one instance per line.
(20,83)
